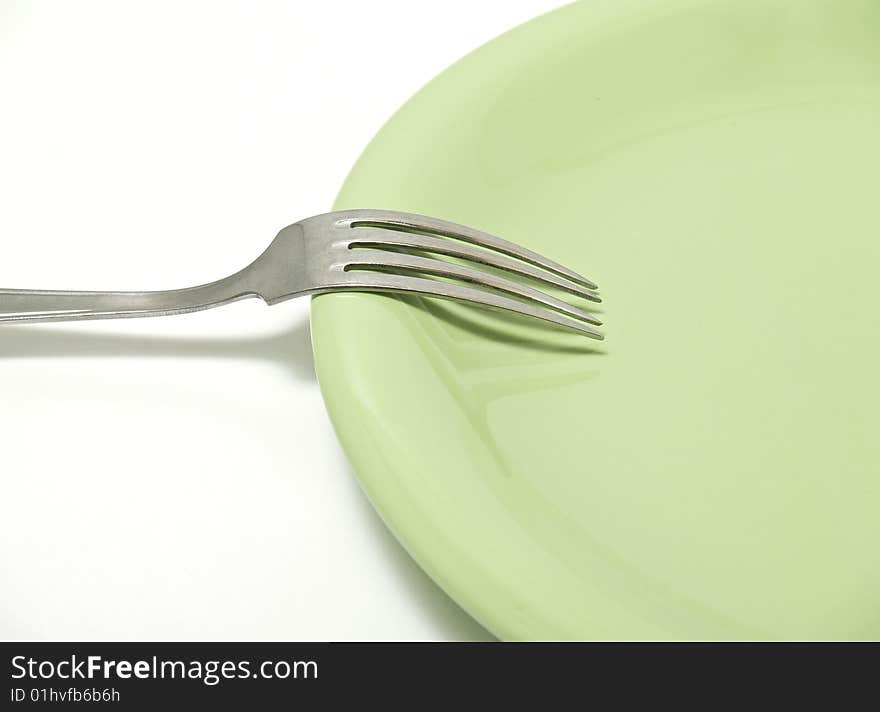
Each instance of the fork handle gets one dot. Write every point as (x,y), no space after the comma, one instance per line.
(31,305)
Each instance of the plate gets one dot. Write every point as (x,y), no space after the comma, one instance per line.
(711,471)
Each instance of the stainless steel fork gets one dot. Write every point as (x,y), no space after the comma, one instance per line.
(352,250)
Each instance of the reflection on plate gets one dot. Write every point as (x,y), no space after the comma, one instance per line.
(711,470)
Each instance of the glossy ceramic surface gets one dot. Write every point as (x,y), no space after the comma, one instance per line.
(710,471)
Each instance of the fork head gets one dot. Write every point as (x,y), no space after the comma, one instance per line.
(389,251)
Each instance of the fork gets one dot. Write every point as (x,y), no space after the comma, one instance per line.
(351,250)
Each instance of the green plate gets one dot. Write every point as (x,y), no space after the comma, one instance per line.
(711,470)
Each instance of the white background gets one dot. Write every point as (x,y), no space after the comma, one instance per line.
(178,478)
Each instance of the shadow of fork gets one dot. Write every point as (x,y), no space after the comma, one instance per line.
(291,348)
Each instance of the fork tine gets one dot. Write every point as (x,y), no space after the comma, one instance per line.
(373,237)
(380,260)
(388,282)
(422,223)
